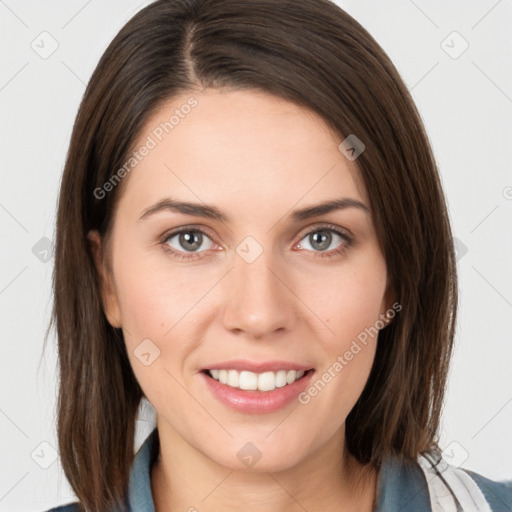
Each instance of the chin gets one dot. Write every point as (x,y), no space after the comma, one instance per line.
(256,457)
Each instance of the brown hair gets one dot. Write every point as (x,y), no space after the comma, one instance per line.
(314,54)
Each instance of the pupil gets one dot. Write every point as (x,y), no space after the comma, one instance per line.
(322,239)
(191,241)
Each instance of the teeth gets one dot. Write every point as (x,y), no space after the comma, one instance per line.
(281,378)
(247,380)
(233,378)
(266,381)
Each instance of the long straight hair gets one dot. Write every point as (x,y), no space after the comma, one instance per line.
(314,54)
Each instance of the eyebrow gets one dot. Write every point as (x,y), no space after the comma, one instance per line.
(199,210)
(211,212)
(327,207)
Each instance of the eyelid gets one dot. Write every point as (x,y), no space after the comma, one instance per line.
(344,232)
(189,227)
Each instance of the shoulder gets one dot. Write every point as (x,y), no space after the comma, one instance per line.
(139,496)
(497,494)
(401,487)
(450,486)
(431,484)
(70,507)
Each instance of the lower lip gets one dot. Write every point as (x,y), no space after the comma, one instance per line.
(257,402)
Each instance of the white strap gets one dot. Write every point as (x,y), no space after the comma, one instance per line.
(451,489)
(441,499)
(471,497)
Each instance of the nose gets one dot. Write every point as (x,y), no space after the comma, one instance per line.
(259,301)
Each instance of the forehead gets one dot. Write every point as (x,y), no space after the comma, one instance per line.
(248,150)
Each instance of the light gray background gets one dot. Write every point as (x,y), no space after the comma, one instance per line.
(466,104)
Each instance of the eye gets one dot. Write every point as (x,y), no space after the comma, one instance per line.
(187,240)
(328,241)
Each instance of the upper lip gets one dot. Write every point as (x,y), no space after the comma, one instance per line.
(257,367)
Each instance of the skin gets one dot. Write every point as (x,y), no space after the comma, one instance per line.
(256,158)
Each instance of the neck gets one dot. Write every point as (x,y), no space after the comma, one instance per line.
(328,479)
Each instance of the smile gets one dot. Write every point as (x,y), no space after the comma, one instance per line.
(246,380)
(256,393)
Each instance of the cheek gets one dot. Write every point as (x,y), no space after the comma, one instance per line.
(167,305)
(160,306)
(348,301)
(350,309)
(157,297)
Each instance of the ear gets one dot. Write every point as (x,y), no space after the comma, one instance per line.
(107,288)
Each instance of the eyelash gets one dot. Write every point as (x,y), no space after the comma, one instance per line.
(180,255)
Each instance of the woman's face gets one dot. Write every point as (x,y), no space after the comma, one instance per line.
(258,281)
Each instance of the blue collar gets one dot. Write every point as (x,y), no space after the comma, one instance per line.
(140,498)
(401,484)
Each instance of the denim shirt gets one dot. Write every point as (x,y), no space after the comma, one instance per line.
(403,486)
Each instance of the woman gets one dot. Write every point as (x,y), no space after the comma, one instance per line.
(252,235)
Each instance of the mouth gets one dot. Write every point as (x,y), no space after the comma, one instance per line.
(260,392)
(252,381)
